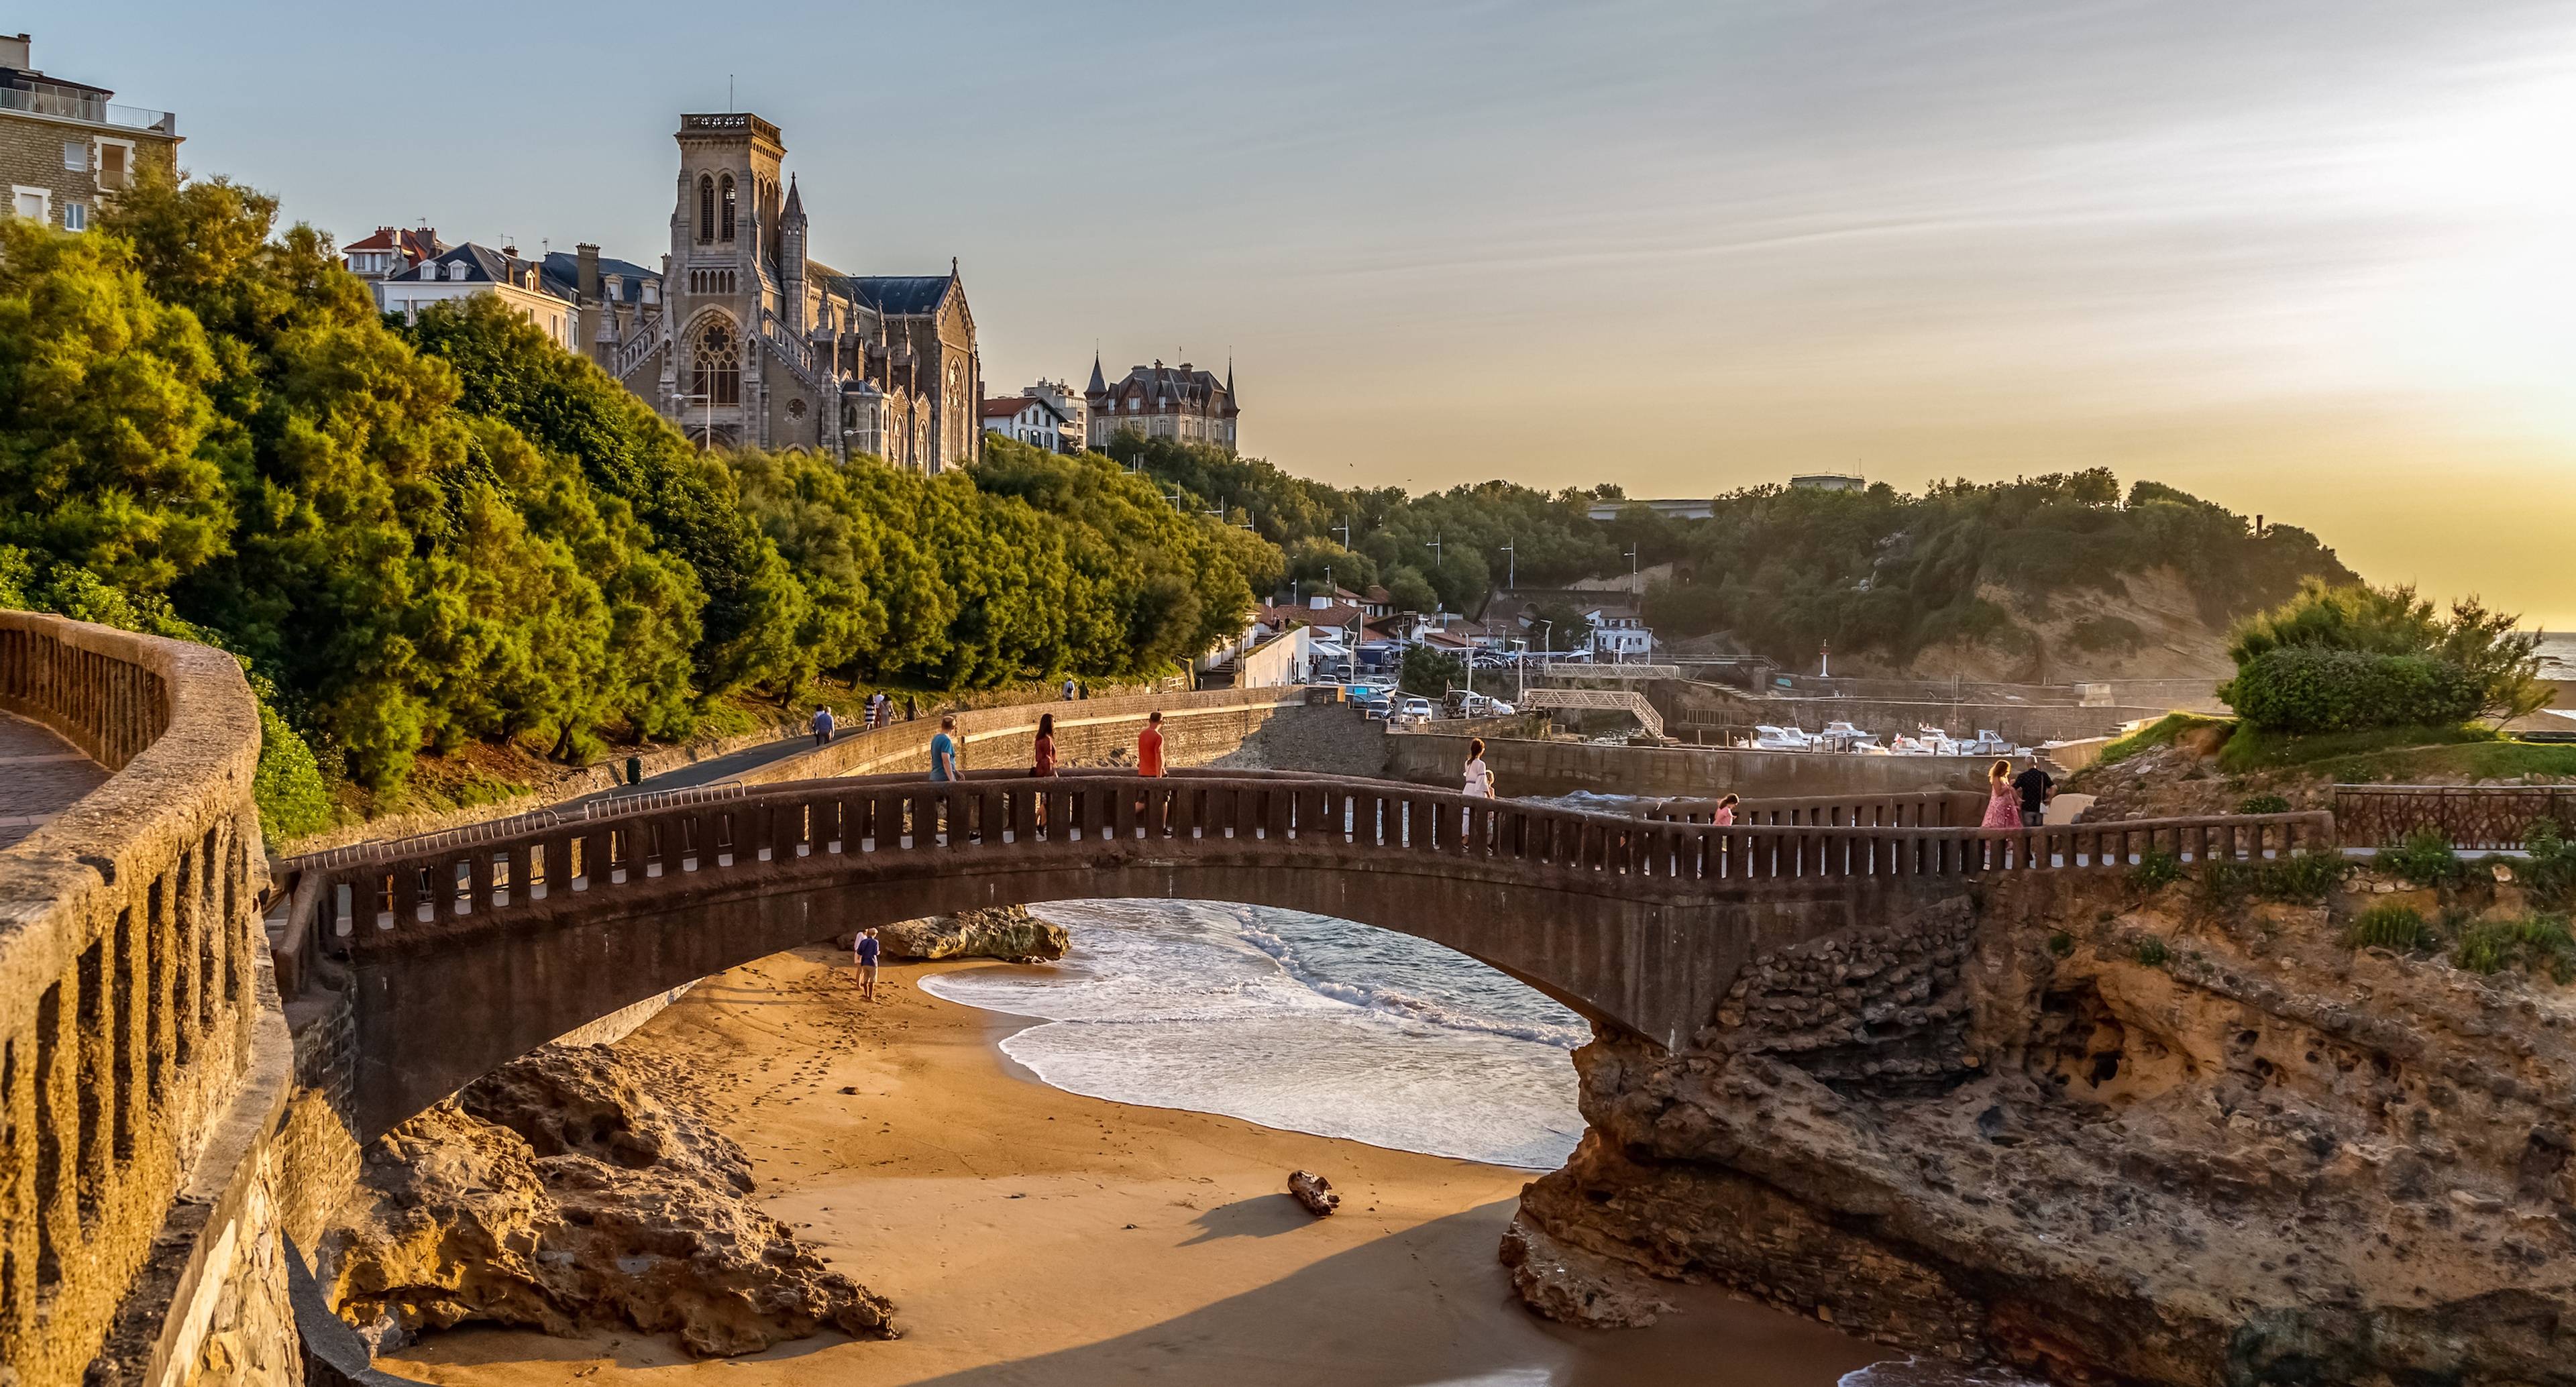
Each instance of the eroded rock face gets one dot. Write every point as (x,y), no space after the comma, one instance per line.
(2112,1140)
(577,1189)
(1004,932)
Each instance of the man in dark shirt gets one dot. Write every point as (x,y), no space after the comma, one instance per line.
(2036,791)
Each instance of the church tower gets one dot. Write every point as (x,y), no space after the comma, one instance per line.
(724,275)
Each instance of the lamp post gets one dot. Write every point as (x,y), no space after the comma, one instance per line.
(1511,567)
(708,442)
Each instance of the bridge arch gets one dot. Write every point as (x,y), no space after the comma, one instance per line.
(463,956)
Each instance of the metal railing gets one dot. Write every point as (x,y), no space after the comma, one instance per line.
(2478,817)
(37,98)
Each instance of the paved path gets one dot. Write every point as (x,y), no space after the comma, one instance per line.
(40,776)
(705,772)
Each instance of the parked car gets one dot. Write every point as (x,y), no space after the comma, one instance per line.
(1413,711)
(1378,708)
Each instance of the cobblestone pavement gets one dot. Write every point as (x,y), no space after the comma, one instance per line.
(40,776)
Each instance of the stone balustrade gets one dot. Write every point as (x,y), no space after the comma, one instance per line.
(2477,817)
(142,1051)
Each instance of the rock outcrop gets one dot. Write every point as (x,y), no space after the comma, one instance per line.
(576,1189)
(1313,1191)
(2114,1138)
(1004,932)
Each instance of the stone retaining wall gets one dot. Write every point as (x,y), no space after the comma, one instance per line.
(143,1055)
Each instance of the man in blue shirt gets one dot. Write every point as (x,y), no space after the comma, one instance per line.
(863,952)
(943,751)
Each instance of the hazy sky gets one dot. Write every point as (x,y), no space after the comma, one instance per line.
(2307,259)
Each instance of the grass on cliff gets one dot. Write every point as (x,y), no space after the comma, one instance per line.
(2401,754)
(2164,731)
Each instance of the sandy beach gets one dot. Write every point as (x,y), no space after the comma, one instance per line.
(1028,1235)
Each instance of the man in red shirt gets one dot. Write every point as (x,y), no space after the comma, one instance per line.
(1149,746)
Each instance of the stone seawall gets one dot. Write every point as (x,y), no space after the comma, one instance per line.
(1561,768)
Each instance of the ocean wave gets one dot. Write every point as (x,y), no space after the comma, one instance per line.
(1920,1372)
(1406,1006)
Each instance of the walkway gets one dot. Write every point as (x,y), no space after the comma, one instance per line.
(41,775)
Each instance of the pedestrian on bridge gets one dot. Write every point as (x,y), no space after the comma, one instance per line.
(1149,745)
(944,765)
(1724,814)
(1480,781)
(2036,789)
(2003,802)
(822,724)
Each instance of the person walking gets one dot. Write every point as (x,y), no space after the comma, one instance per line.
(1724,815)
(822,724)
(1149,745)
(863,952)
(944,765)
(2036,789)
(1042,752)
(1480,781)
(1068,689)
(2003,803)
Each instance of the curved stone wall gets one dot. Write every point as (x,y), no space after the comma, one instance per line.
(142,1051)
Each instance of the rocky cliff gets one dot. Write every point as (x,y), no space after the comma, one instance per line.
(2116,1135)
(577,1188)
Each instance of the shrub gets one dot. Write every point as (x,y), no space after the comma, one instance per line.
(2155,870)
(2305,689)
(2398,927)
(2538,943)
(288,785)
(2263,804)
(2151,952)
(2550,872)
(2061,943)
(2425,859)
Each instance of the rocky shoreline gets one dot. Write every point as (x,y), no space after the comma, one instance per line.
(2116,1133)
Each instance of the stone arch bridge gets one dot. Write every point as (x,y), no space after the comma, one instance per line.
(462,956)
(179,1104)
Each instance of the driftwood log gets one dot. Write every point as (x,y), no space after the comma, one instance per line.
(1313,1191)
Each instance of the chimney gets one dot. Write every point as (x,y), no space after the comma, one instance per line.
(586,279)
(16,51)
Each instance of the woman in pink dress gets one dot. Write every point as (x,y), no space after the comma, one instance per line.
(2003,803)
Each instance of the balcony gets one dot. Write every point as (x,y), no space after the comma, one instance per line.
(87,106)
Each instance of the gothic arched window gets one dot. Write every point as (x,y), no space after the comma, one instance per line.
(724,227)
(715,372)
(706,208)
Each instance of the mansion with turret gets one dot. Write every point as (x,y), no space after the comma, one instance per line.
(1160,401)
(743,339)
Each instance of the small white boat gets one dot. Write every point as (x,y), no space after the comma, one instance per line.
(1769,738)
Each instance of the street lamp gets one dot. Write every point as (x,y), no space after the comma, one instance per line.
(708,399)
(1511,568)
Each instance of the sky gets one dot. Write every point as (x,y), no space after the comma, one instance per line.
(2311,260)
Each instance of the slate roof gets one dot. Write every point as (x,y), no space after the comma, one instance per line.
(564,270)
(483,265)
(899,295)
(1163,384)
(413,244)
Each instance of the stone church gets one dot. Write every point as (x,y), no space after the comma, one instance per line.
(747,341)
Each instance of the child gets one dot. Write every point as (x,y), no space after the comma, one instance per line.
(863,950)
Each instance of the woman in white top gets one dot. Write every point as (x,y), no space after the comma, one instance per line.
(1480,781)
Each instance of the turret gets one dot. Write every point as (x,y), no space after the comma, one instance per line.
(791,258)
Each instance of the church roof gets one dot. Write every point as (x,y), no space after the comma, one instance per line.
(901,294)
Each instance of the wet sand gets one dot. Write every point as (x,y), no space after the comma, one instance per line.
(1032,1236)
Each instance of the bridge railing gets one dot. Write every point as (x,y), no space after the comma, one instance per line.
(129,994)
(1001,814)
(2490,817)
(1913,809)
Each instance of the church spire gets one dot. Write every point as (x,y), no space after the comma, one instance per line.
(795,207)
(1099,384)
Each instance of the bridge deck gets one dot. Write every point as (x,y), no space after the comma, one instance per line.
(41,775)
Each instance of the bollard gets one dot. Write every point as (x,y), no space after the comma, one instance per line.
(634,770)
